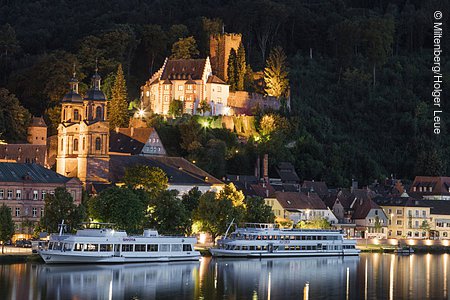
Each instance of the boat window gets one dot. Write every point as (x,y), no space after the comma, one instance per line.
(258,247)
(281,237)
(244,248)
(57,246)
(297,237)
(314,237)
(297,248)
(67,246)
(152,248)
(303,237)
(78,247)
(164,248)
(176,247)
(264,237)
(275,237)
(252,248)
(308,238)
(105,247)
(292,237)
(187,247)
(264,248)
(319,237)
(92,247)
(127,247)
(50,246)
(258,237)
(117,247)
(308,247)
(139,248)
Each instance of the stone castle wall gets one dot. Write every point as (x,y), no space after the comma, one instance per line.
(219,49)
(245,103)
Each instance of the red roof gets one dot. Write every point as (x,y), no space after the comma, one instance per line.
(296,200)
(439,185)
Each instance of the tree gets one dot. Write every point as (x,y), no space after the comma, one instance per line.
(121,206)
(240,68)
(6,225)
(191,199)
(316,223)
(256,211)
(154,40)
(153,180)
(203,107)
(231,70)
(168,214)
(118,113)
(275,73)
(14,118)
(59,206)
(214,214)
(185,48)
(230,193)
(176,108)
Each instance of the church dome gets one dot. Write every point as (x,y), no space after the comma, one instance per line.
(94,94)
(72,97)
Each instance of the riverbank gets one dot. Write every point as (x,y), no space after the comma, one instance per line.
(391,249)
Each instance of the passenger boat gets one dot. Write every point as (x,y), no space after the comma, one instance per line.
(99,243)
(267,240)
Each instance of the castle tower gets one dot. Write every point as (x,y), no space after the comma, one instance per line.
(37,132)
(220,46)
(83,135)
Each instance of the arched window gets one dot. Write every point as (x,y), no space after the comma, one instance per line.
(98,113)
(64,114)
(98,144)
(75,145)
(62,145)
(84,142)
(76,115)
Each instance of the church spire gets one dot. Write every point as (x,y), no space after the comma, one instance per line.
(96,78)
(74,81)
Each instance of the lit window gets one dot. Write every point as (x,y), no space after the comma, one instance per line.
(180,87)
(166,87)
(34,212)
(18,194)
(9,194)
(43,195)
(2,194)
(35,195)
(147,93)
(166,98)
(189,87)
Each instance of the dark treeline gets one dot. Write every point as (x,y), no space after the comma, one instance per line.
(360,71)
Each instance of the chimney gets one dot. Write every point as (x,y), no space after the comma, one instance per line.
(354,185)
(266,168)
(257,166)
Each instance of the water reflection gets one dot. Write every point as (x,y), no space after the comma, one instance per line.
(371,276)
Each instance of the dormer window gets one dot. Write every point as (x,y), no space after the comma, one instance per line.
(189,87)
(166,87)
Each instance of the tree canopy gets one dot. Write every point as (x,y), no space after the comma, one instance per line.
(6,225)
(118,107)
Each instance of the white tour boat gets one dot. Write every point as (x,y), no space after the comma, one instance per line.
(99,243)
(266,240)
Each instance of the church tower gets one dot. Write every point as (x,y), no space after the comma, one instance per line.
(83,134)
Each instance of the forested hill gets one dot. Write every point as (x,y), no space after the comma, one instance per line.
(360,71)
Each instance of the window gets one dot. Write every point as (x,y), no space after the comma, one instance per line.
(414,188)
(219,88)
(139,248)
(92,247)
(389,211)
(176,247)
(75,145)
(42,212)
(424,213)
(219,100)
(18,194)
(166,87)
(9,194)
(76,115)
(98,113)
(106,247)
(78,247)
(166,98)
(127,247)
(35,195)
(84,142)
(43,195)
(2,194)
(181,98)
(399,212)
(17,212)
(399,233)
(34,212)
(98,144)
(399,222)
(152,248)
(147,93)
(180,87)
(62,145)
(164,248)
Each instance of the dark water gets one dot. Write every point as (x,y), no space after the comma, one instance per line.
(370,276)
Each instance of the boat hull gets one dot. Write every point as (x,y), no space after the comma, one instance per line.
(227,253)
(55,257)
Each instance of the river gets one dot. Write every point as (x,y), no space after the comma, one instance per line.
(369,276)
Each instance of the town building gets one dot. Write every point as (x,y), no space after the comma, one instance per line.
(190,81)
(23,188)
(135,141)
(83,134)
(34,151)
(431,188)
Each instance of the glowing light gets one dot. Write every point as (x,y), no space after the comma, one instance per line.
(393,242)
(205,124)
(428,242)
(141,113)
(202,238)
(306,291)
(193,161)
(411,242)
(445,242)
(376,241)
